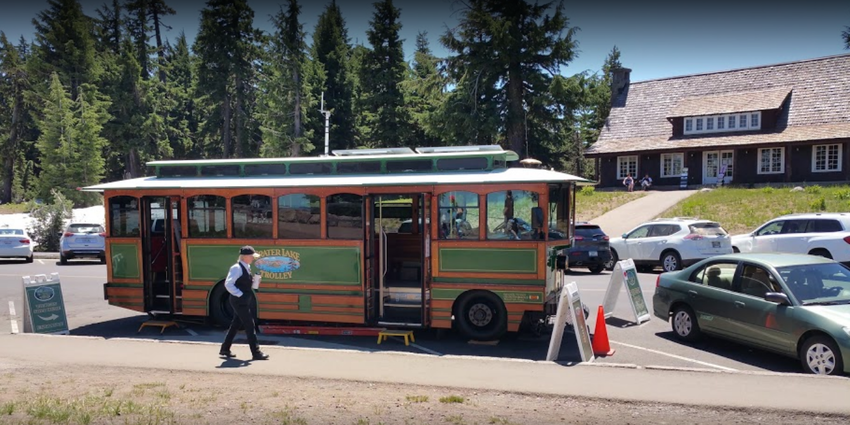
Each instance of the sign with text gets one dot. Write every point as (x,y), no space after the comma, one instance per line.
(625,274)
(569,304)
(683,179)
(44,305)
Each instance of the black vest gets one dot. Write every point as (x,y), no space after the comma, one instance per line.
(245,281)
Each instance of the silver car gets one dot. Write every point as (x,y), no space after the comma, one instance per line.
(83,240)
(15,243)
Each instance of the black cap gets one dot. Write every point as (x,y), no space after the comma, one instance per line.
(248,250)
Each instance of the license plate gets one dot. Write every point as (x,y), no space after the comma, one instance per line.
(715,244)
(592,253)
(85,240)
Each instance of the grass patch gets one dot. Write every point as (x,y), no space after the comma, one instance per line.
(417,398)
(15,208)
(452,399)
(591,204)
(743,210)
(286,417)
(455,420)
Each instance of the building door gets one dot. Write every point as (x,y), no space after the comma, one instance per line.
(715,162)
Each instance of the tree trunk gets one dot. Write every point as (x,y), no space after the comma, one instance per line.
(133,163)
(515,121)
(295,148)
(240,117)
(226,113)
(160,53)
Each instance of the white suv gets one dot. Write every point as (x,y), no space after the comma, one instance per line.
(671,243)
(824,234)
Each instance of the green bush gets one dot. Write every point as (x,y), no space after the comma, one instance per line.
(49,221)
(843,194)
(818,204)
(588,190)
(767,189)
(814,190)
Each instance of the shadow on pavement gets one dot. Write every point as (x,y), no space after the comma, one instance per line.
(740,353)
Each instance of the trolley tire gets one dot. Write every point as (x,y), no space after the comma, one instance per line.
(491,326)
(220,310)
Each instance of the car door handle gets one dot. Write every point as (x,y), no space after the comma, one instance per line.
(739,304)
(692,292)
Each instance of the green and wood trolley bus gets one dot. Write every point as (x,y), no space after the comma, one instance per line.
(436,237)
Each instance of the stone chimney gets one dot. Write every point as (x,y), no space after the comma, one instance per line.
(619,82)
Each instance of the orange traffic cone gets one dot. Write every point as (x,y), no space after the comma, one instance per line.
(600,345)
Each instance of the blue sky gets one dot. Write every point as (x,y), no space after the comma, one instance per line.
(657,38)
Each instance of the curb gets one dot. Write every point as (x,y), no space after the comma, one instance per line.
(45,255)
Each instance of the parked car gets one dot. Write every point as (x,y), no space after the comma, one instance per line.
(590,249)
(82,240)
(671,243)
(15,243)
(795,305)
(824,234)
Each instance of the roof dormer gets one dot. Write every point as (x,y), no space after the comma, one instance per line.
(725,113)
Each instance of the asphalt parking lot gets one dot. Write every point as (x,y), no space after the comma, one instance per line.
(649,344)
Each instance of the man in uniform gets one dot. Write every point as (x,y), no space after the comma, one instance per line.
(242,299)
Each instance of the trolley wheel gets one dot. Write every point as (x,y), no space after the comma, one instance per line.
(481,316)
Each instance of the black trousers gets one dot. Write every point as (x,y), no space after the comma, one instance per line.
(243,318)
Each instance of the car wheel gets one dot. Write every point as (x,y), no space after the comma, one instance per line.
(63,260)
(736,250)
(613,261)
(481,316)
(596,269)
(29,259)
(103,260)
(820,356)
(685,324)
(670,261)
(821,253)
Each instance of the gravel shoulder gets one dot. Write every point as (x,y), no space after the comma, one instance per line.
(106,395)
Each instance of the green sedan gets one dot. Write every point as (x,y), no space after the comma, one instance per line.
(795,305)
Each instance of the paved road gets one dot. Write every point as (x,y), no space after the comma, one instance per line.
(650,344)
(626,217)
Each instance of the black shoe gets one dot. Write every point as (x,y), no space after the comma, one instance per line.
(259,355)
(227,354)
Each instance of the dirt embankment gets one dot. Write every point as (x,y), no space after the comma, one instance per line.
(86,395)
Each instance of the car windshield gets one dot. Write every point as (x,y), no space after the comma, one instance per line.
(814,284)
(589,231)
(707,229)
(14,232)
(85,228)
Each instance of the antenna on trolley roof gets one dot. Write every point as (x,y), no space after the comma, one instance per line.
(327,115)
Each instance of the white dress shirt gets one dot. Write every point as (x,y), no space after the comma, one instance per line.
(235,273)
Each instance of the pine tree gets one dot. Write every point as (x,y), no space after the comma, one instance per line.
(284,101)
(846,36)
(182,121)
(382,75)
(506,53)
(424,93)
(56,139)
(138,28)
(13,112)
(158,9)
(331,50)
(227,50)
(88,165)
(64,41)
(108,27)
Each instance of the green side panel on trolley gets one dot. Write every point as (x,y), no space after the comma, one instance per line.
(324,265)
(125,261)
(484,260)
(305,303)
(509,297)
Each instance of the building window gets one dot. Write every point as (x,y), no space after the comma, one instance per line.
(671,164)
(207,216)
(626,165)
(699,124)
(826,158)
(459,215)
(721,122)
(345,216)
(689,125)
(299,217)
(742,121)
(732,122)
(709,124)
(514,215)
(771,161)
(754,120)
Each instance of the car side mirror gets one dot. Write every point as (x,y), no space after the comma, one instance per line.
(777,297)
(625,235)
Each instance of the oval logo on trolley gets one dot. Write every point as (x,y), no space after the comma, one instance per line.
(277,264)
(44,293)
